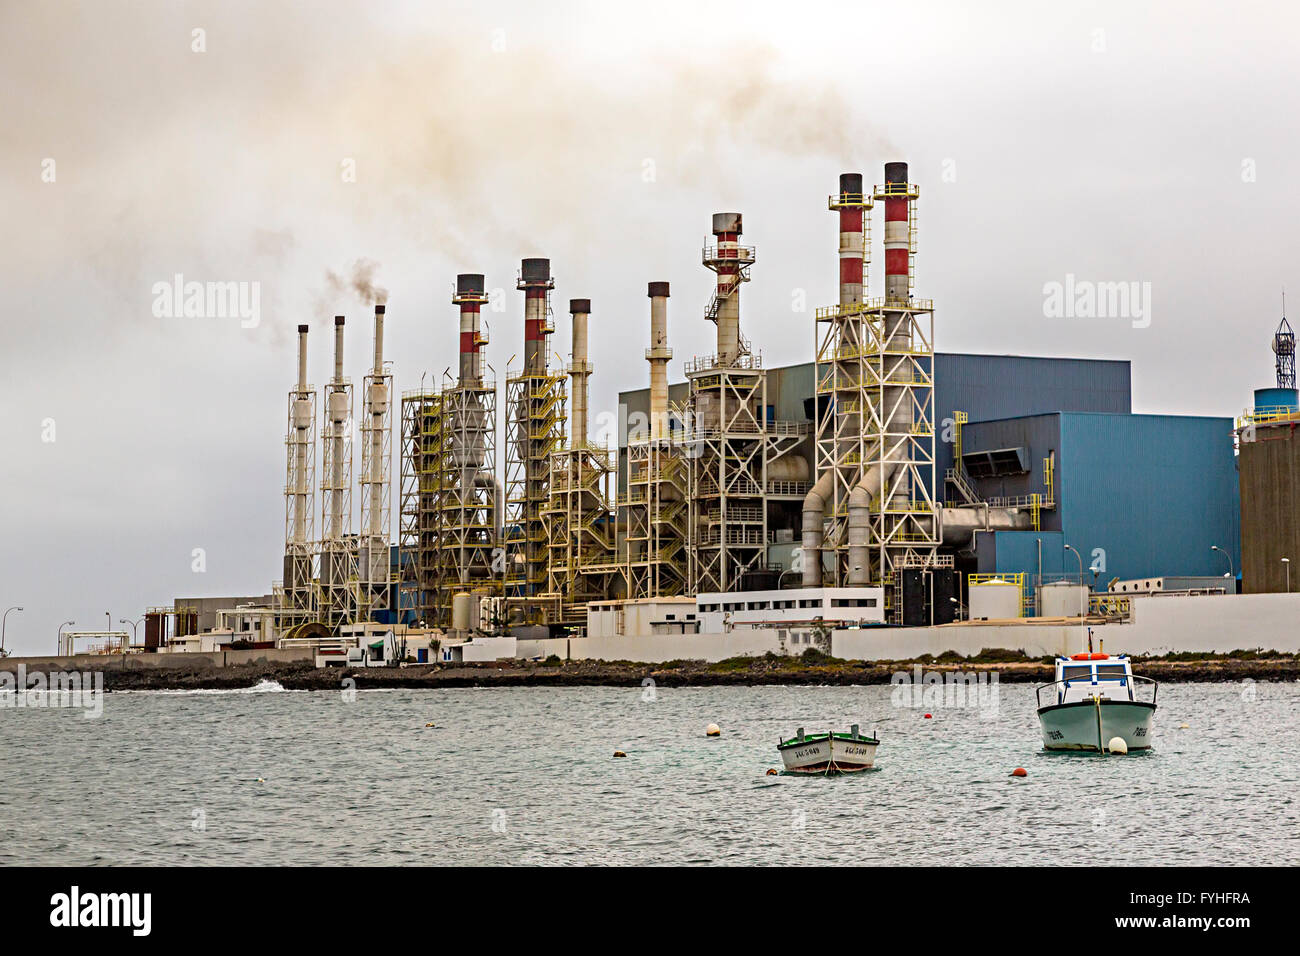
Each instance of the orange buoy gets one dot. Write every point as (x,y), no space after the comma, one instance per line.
(771,772)
(619,753)
(1020,772)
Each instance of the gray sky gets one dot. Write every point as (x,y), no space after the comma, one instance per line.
(1151,143)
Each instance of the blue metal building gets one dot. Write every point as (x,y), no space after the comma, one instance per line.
(1137,495)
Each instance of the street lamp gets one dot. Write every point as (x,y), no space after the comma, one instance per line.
(59,639)
(1215,547)
(3,623)
(135,634)
(1287,563)
(1082,609)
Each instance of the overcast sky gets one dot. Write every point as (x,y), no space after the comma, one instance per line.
(1150,143)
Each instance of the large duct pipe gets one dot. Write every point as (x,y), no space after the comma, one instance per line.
(859,571)
(658,355)
(960,524)
(580,369)
(726,232)
(470,297)
(536,282)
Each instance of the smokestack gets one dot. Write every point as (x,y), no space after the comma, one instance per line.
(339,412)
(302,358)
(379,340)
(302,424)
(377,402)
(728,258)
(338,349)
(470,297)
(579,370)
(658,355)
(536,282)
(898,240)
(851,205)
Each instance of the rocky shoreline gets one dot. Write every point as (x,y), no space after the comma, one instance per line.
(735,672)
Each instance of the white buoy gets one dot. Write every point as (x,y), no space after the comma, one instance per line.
(1117,745)
(713,730)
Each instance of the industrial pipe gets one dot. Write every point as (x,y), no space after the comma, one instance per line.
(470,297)
(726,232)
(579,371)
(658,355)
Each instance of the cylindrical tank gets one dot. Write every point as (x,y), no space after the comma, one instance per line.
(462,611)
(1276,400)
(1062,599)
(994,600)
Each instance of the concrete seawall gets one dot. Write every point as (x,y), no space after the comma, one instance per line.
(199,661)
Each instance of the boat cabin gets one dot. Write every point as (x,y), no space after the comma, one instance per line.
(1085,676)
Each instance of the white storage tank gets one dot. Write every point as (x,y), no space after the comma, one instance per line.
(1062,599)
(994,600)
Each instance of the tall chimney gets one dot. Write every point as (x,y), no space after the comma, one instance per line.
(302,424)
(658,355)
(536,282)
(850,206)
(579,371)
(377,406)
(470,297)
(339,412)
(728,259)
(302,358)
(898,254)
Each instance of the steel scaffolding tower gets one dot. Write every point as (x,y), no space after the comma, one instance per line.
(655,512)
(298,596)
(844,388)
(899,366)
(338,594)
(419,521)
(731,442)
(535,398)
(581,564)
(373,557)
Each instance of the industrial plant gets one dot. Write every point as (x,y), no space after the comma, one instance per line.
(881,486)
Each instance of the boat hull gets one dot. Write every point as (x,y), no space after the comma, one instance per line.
(1073,726)
(827,756)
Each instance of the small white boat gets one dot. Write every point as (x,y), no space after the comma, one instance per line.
(829,753)
(1093,700)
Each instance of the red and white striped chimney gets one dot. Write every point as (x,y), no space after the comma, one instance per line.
(536,282)
(470,297)
(851,207)
(898,239)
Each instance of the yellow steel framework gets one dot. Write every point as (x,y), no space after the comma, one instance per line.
(581,563)
(654,510)
(534,431)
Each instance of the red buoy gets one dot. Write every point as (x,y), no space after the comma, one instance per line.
(1020,772)
(928,716)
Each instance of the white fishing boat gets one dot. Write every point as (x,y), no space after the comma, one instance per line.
(829,753)
(1093,700)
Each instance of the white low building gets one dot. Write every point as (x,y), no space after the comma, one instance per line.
(661,615)
(831,607)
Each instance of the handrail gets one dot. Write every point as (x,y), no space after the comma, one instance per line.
(1155,687)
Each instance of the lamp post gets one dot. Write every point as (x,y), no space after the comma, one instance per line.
(59,639)
(1082,607)
(3,624)
(1231,573)
(135,633)
(1286,562)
